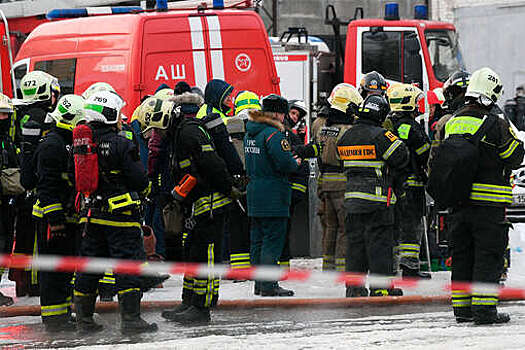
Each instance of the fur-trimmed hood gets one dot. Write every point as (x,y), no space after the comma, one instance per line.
(262,118)
(188,98)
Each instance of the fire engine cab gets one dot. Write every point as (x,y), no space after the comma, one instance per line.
(403,50)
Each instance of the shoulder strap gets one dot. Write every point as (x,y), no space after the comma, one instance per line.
(489,121)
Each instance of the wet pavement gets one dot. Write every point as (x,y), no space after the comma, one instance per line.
(28,332)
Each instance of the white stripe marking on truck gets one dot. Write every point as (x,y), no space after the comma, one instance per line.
(217,61)
(199,67)
(199,57)
(197,38)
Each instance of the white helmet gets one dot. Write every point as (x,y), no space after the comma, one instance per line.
(68,112)
(39,86)
(485,86)
(300,106)
(97,87)
(104,106)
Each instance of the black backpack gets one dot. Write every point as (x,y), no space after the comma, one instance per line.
(455,165)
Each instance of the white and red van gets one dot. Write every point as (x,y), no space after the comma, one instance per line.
(137,52)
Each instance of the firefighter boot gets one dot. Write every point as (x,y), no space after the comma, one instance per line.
(131,322)
(356,292)
(463,314)
(277,291)
(61,323)
(5,300)
(488,315)
(148,282)
(171,314)
(85,307)
(193,315)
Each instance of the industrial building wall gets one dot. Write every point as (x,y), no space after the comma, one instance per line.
(491,34)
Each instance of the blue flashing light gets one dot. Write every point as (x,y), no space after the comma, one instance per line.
(162,5)
(421,12)
(66,13)
(392,11)
(117,10)
(218,4)
(83,12)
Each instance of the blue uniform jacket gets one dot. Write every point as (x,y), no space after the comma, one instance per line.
(269,163)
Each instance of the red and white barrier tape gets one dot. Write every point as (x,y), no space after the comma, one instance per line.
(268,273)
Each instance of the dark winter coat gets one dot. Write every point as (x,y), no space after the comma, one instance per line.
(269,163)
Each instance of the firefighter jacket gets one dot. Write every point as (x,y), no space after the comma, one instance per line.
(55,189)
(515,111)
(413,135)
(212,114)
(122,180)
(370,155)
(500,152)
(195,154)
(299,178)
(269,163)
(29,129)
(328,131)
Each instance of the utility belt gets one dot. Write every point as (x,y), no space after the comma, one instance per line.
(128,203)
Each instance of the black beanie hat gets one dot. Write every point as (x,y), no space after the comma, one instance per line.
(275,103)
(181,88)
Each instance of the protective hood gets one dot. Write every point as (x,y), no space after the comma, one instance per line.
(215,93)
(258,121)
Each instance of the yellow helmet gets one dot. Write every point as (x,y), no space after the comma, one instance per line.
(69,111)
(39,86)
(404,97)
(344,95)
(6,105)
(96,87)
(485,85)
(155,113)
(246,100)
(164,94)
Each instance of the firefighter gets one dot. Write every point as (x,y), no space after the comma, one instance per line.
(454,90)
(515,108)
(111,220)
(54,210)
(239,227)
(299,178)
(478,228)
(297,118)
(8,160)
(269,162)
(372,83)
(344,101)
(369,155)
(40,92)
(411,207)
(204,188)
(217,104)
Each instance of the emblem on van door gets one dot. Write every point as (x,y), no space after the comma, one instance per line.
(243,62)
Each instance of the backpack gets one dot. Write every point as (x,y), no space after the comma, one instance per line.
(455,165)
(86,160)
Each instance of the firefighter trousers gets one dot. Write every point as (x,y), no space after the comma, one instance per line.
(116,239)
(286,255)
(239,228)
(55,287)
(267,242)
(370,242)
(409,225)
(333,236)
(478,242)
(204,247)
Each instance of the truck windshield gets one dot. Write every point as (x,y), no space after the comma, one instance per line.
(445,55)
